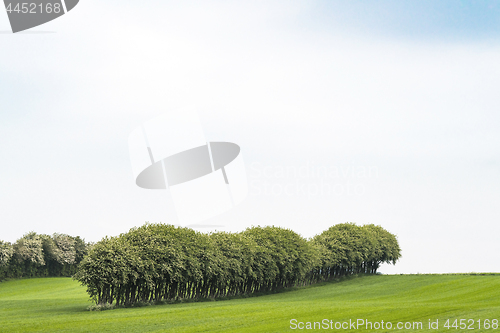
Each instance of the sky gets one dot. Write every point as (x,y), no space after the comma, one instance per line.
(382,112)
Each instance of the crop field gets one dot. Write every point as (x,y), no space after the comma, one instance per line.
(61,305)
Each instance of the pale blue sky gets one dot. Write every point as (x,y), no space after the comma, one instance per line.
(417,20)
(406,88)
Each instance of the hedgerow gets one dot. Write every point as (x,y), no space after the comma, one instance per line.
(38,255)
(158,263)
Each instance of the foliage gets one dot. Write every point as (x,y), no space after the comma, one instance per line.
(6,252)
(158,263)
(349,249)
(36,255)
(164,263)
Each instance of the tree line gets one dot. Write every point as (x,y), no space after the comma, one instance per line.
(38,255)
(158,262)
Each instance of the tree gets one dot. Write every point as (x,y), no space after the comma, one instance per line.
(6,252)
(158,262)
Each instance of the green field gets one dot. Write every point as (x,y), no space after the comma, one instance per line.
(60,305)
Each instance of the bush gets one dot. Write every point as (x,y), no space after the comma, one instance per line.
(163,263)
(35,255)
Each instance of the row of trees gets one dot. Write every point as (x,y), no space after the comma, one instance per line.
(159,262)
(36,255)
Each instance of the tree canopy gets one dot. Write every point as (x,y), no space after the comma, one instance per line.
(36,255)
(158,262)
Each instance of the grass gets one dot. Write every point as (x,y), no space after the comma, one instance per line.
(60,305)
